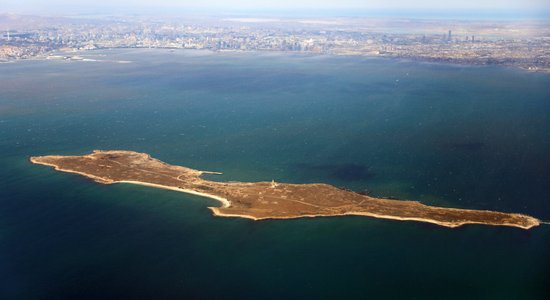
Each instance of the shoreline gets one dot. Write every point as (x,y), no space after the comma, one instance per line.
(430,60)
(225,203)
(216,212)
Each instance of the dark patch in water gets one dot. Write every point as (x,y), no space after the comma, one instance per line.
(346,172)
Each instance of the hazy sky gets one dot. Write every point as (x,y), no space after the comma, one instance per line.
(235,6)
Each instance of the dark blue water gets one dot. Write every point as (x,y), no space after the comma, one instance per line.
(471,137)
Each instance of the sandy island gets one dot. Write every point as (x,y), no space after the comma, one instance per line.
(268,200)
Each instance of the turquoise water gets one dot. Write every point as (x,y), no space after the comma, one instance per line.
(471,137)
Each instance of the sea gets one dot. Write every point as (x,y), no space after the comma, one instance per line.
(448,135)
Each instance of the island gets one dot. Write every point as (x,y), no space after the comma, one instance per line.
(268,200)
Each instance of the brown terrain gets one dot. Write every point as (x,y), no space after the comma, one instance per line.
(268,200)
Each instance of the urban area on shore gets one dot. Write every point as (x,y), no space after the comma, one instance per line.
(523,44)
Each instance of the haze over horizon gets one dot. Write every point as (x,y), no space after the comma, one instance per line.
(420,8)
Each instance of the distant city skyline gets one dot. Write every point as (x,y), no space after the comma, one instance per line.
(537,8)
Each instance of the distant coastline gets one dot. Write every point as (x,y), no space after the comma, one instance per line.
(79,56)
(517,43)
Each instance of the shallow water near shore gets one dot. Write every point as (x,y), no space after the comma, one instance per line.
(454,136)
